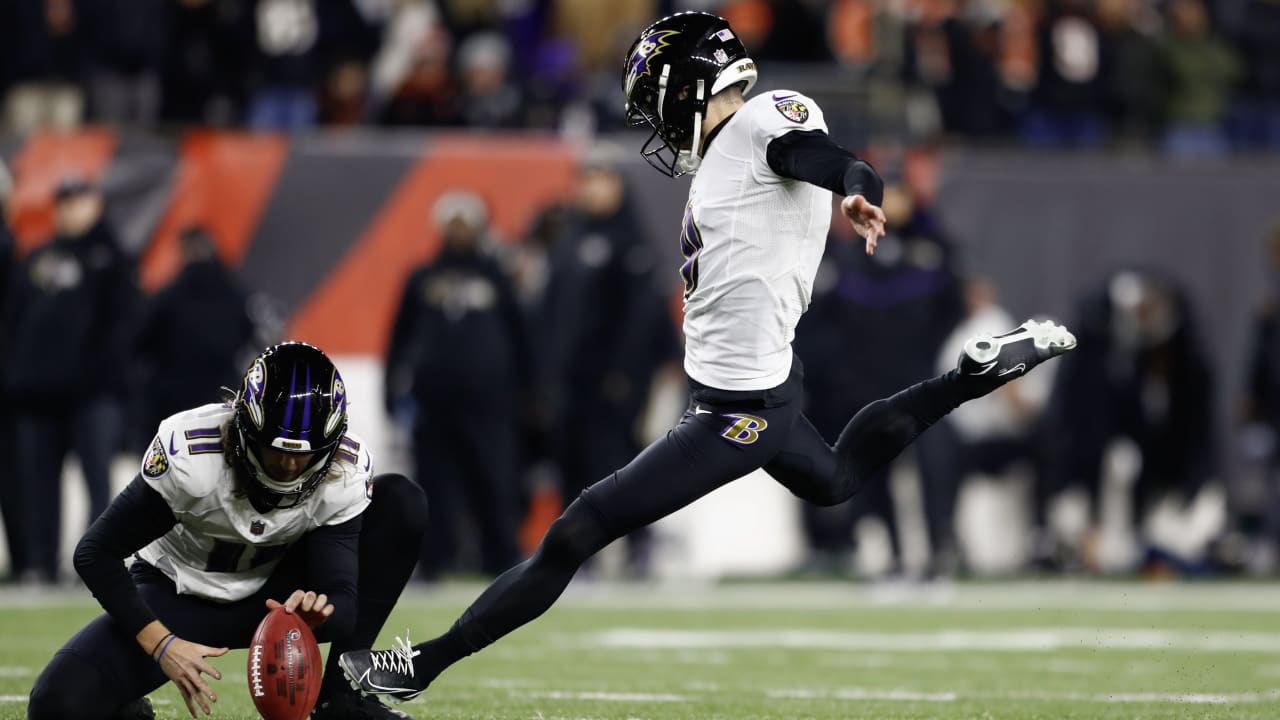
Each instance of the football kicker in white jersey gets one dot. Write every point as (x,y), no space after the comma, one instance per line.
(222,548)
(752,241)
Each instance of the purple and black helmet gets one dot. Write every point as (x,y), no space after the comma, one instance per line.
(292,400)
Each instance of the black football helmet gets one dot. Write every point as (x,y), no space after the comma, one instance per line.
(668,75)
(292,400)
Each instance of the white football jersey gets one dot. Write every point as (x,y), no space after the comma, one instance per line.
(752,241)
(222,548)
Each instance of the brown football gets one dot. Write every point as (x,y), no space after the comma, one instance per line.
(284,667)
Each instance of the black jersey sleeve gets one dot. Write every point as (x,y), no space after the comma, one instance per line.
(333,566)
(813,157)
(135,518)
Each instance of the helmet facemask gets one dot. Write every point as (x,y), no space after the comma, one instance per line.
(673,147)
(267,491)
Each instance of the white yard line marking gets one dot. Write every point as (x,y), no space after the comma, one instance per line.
(1022,640)
(16,671)
(1143,697)
(13,698)
(864,694)
(610,696)
(896,694)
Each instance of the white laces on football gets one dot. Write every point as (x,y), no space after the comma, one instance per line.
(399,659)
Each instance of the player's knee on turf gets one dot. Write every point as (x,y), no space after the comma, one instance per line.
(575,536)
(402,502)
(69,689)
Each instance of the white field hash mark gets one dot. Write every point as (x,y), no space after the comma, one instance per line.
(1131,697)
(1025,640)
(599,695)
(864,694)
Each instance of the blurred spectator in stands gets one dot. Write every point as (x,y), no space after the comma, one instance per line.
(1261,416)
(284,67)
(1132,85)
(488,97)
(1257,112)
(204,67)
(611,332)
(127,45)
(988,435)
(529,262)
(412,80)
(295,45)
(957,62)
(903,301)
(43,46)
(1200,71)
(457,372)
(195,334)
(1140,374)
(344,100)
(11,510)
(1070,88)
(464,18)
(593,27)
(68,340)
(797,33)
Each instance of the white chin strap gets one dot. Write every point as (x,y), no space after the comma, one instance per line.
(687,161)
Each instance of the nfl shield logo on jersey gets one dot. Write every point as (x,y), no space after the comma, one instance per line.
(257,527)
(793,110)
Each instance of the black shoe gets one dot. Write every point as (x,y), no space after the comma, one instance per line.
(386,674)
(999,359)
(139,709)
(346,705)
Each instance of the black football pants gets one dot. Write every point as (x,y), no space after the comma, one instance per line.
(722,436)
(102,668)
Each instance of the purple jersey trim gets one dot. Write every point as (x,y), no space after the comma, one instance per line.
(203,433)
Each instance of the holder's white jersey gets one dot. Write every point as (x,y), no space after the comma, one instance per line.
(752,241)
(222,549)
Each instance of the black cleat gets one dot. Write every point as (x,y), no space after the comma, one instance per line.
(999,359)
(388,674)
(139,709)
(346,705)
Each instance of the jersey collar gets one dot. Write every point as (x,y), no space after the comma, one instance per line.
(716,131)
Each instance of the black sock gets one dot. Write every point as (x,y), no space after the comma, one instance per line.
(438,654)
(881,430)
(522,593)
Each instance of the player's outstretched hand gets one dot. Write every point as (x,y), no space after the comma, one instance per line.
(867,219)
(183,662)
(313,608)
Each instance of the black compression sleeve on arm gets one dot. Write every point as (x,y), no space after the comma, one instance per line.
(135,518)
(811,156)
(333,565)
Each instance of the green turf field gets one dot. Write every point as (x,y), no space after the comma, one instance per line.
(799,651)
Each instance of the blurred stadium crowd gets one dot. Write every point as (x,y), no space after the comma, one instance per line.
(496,348)
(1194,77)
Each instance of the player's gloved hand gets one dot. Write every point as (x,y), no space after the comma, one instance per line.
(314,609)
(183,662)
(867,219)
